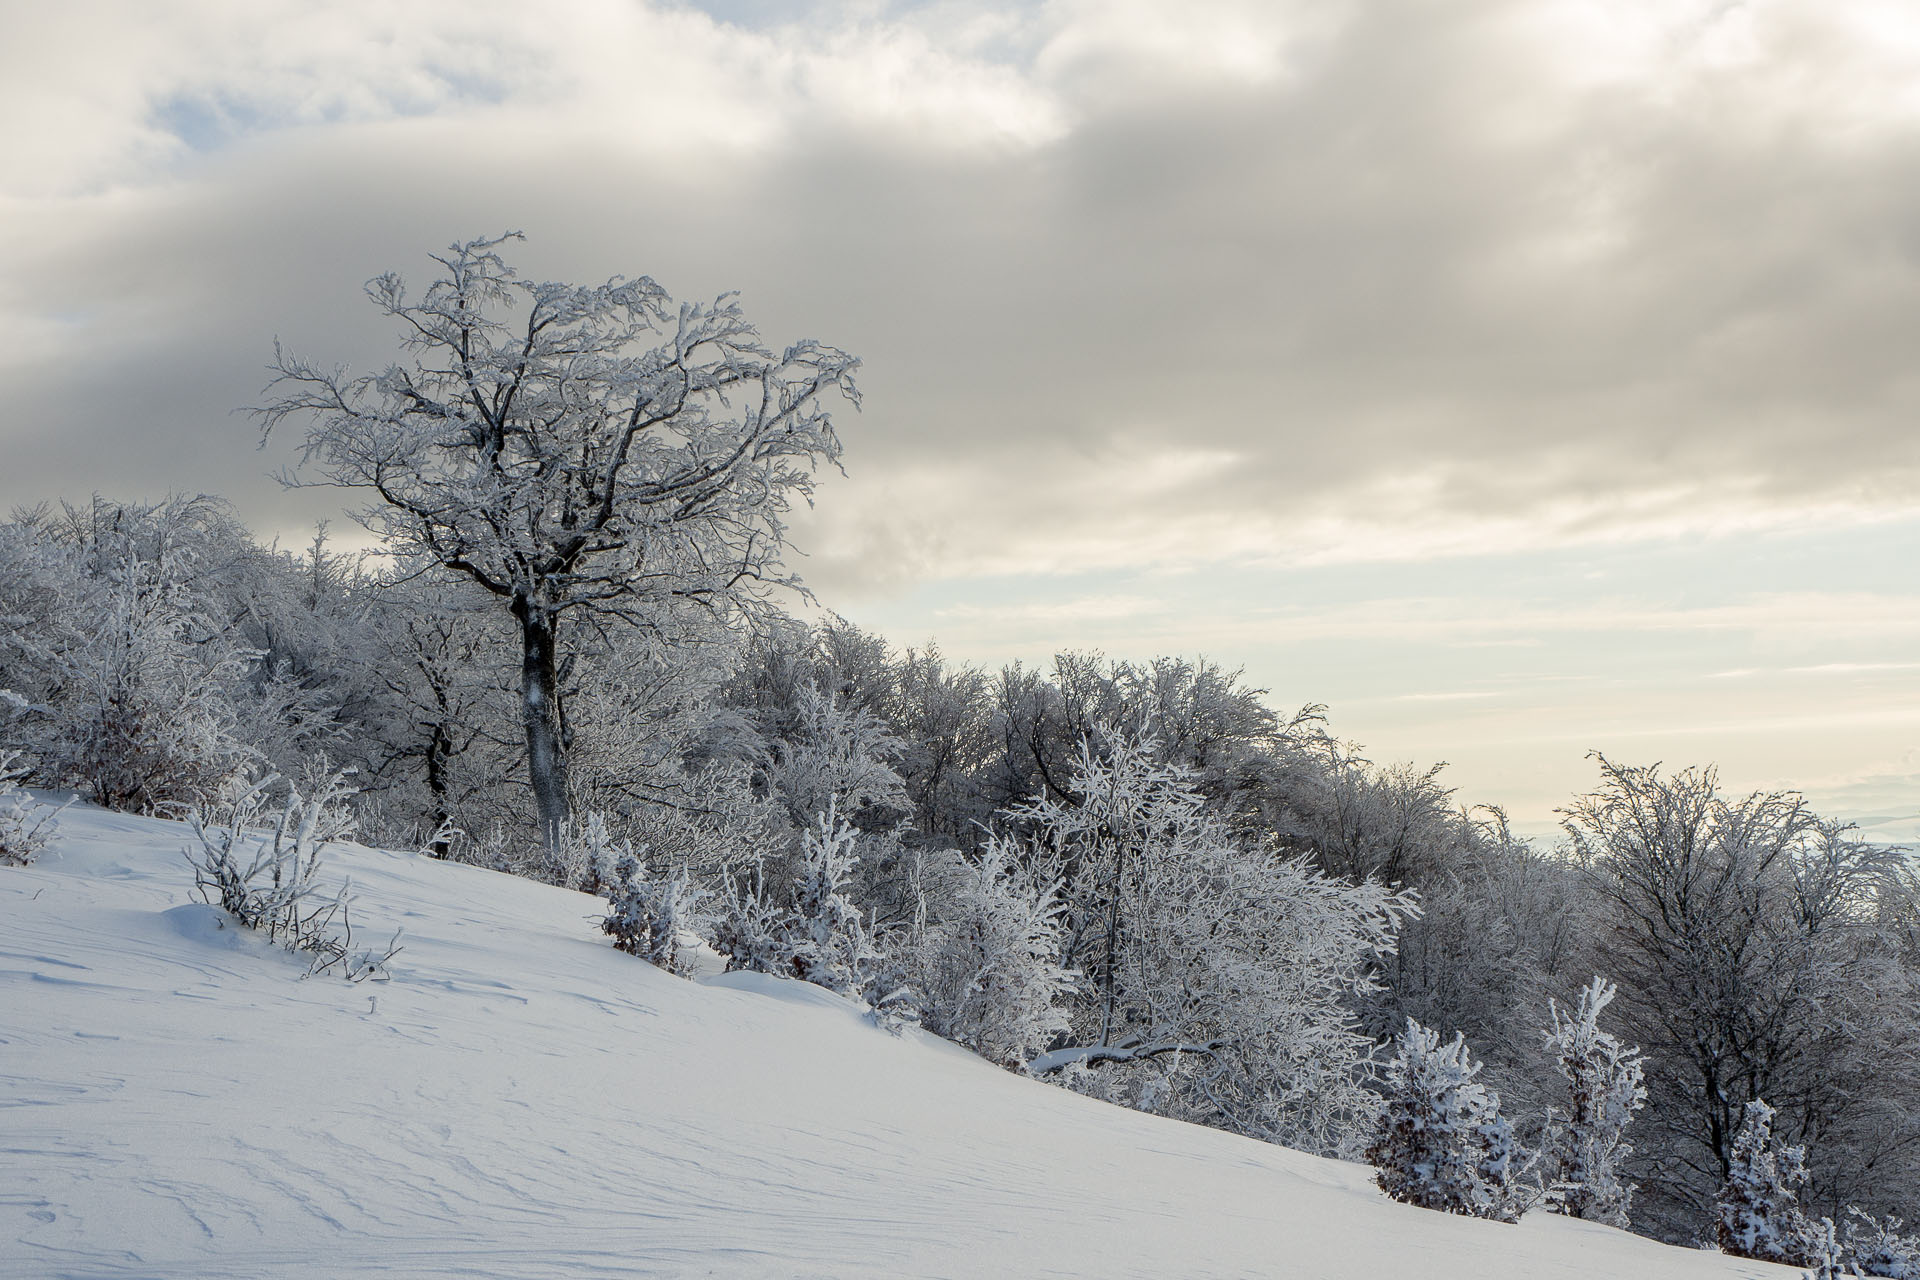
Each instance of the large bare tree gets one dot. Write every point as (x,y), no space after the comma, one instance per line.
(581,452)
(1745,932)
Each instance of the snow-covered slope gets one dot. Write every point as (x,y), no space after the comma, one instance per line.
(522,1100)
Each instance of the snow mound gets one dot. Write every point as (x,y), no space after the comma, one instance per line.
(521,1100)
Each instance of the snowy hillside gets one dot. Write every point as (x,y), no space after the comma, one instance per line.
(176,1100)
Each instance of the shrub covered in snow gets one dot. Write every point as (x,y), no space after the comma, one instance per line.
(1757,1214)
(753,931)
(833,948)
(583,854)
(145,719)
(270,880)
(1823,1251)
(1586,1147)
(1878,1249)
(648,914)
(820,937)
(1442,1142)
(25,826)
(990,975)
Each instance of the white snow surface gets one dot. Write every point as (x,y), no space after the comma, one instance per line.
(177,1100)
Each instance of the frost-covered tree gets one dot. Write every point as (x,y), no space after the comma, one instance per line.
(1744,934)
(989,973)
(834,754)
(1757,1213)
(1586,1144)
(438,730)
(1398,823)
(143,715)
(715,824)
(135,637)
(306,618)
(642,705)
(1442,1142)
(1825,1254)
(837,756)
(38,577)
(1502,926)
(577,451)
(826,702)
(1220,979)
(1202,716)
(946,727)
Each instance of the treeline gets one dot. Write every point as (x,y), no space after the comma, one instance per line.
(1134,877)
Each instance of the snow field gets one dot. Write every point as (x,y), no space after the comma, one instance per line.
(521,1100)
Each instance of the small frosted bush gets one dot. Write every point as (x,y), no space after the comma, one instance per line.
(262,869)
(821,937)
(1757,1214)
(25,824)
(1442,1142)
(648,914)
(1879,1249)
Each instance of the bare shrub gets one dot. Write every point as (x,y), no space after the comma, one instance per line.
(262,869)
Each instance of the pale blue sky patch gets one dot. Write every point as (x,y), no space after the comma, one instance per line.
(206,122)
(209,120)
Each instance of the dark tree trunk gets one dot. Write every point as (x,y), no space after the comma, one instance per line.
(439,750)
(540,712)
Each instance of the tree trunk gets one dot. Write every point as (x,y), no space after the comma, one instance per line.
(439,749)
(540,712)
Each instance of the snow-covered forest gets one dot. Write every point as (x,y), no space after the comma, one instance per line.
(577,652)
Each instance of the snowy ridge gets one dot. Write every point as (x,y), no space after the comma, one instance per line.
(521,1100)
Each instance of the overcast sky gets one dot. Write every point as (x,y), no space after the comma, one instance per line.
(1518,377)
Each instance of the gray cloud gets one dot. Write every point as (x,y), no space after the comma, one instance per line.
(1414,280)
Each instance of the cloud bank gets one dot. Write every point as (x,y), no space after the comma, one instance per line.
(1134,285)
